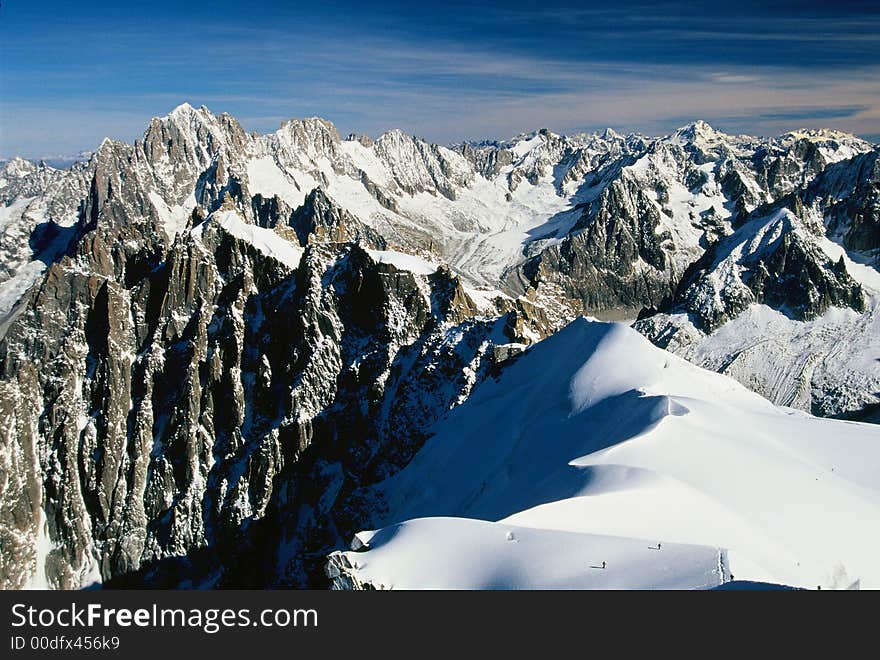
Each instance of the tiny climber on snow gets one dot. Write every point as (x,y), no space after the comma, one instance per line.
(603,563)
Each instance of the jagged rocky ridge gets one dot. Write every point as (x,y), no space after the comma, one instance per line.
(809,261)
(212,339)
(216,402)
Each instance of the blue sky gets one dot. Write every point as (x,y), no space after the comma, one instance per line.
(73,72)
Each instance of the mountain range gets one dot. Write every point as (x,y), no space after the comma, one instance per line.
(218,348)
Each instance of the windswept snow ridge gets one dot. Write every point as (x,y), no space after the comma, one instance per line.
(595,435)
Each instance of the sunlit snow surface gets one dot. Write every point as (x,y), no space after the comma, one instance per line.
(265,240)
(477,554)
(403,261)
(597,446)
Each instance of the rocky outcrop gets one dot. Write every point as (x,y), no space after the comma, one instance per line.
(772,262)
(319,220)
(488,160)
(846,196)
(613,259)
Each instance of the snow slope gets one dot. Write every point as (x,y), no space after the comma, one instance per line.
(265,240)
(403,261)
(827,364)
(596,433)
(511,557)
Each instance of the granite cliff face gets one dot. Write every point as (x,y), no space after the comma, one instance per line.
(212,342)
(164,410)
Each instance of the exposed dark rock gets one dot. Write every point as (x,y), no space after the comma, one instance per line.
(320,220)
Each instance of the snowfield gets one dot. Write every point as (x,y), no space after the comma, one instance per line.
(484,555)
(265,240)
(597,446)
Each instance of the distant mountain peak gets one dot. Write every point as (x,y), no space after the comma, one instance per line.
(698,129)
(820,134)
(187,110)
(183,108)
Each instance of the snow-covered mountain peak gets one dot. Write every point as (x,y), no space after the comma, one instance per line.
(18,167)
(194,122)
(309,133)
(820,134)
(182,110)
(189,119)
(396,135)
(418,166)
(833,145)
(708,143)
(701,134)
(522,145)
(107,156)
(397,145)
(698,130)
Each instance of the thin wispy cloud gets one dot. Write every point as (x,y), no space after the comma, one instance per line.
(444,73)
